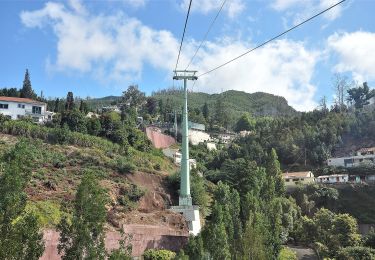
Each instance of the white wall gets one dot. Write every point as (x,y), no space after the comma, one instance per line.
(196,137)
(14,111)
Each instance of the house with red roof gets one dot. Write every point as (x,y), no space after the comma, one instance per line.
(17,108)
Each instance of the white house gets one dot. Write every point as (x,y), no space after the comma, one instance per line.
(293,178)
(334,178)
(363,155)
(17,108)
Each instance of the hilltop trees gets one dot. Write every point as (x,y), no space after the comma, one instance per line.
(83,237)
(360,96)
(27,91)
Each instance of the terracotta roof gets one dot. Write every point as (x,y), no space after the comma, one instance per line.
(20,100)
(297,174)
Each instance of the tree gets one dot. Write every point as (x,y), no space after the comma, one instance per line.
(221,113)
(360,95)
(132,98)
(245,123)
(27,91)
(20,236)
(369,239)
(152,105)
(206,111)
(215,236)
(340,86)
(83,107)
(57,105)
(274,174)
(69,105)
(75,120)
(83,238)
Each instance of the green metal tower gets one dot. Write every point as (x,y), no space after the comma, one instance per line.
(185,197)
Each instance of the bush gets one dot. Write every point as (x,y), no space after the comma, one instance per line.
(356,252)
(158,254)
(287,254)
(124,166)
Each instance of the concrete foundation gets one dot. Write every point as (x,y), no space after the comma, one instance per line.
(191,214)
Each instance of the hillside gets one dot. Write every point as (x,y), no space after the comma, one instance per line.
(135,183)
(236,102)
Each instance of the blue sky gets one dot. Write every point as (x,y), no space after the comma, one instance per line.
(98,48)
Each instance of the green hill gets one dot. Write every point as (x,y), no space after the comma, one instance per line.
(236,102)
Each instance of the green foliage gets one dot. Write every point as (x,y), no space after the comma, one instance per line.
(69,105)
(125,166)
(20,236)
(245,123)
(83,238)
(369,239)
(47,212)
(360,96)
(158,254)
(357,252)
(75,120)
(333,231)
(287,254)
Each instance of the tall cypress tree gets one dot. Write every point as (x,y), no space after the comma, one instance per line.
(69,105)
(27,91)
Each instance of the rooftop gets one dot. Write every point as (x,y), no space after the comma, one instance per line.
(20,100)
(365,150)
(298,174)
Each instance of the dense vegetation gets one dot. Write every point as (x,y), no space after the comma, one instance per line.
(239,188)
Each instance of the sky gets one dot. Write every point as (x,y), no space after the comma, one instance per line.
(98,48)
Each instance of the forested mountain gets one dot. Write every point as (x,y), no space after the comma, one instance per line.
(236,102)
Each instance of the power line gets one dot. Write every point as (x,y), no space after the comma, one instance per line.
(205,36)
(277,36)
(183,34)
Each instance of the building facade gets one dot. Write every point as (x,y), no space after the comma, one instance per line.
(363,155)
(332,179)
(17,108)
(291,179)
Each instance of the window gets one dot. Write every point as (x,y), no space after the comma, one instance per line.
(21,106)
(4,106)
(37,110)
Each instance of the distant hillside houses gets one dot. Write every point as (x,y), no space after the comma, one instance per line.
(18,108)
(363,155)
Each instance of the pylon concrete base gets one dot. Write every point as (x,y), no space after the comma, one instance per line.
(191,214)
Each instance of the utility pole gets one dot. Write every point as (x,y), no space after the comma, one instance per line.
(185,205)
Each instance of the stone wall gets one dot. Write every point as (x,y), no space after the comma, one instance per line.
(143,237)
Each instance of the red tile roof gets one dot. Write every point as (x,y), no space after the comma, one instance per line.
(20,100)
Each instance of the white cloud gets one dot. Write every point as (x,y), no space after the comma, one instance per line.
(232,7)
(283,68)
(116,48)
(135,3)
(298,10)
(356,54)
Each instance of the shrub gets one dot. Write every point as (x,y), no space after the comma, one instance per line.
(158,254)
(287,254)
(124,166)
(356,252)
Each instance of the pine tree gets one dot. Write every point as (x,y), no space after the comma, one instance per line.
(27,91)
(69,105)
(57,105)
(206,111)
(84,237)
(273,170)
